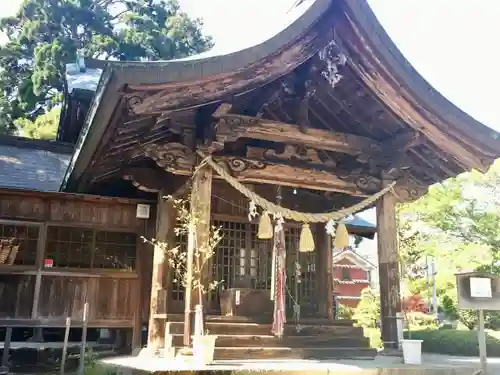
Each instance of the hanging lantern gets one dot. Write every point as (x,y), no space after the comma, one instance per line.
(306,242)
(265,227)
(341,240)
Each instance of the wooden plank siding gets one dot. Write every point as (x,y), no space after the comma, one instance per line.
(115,290)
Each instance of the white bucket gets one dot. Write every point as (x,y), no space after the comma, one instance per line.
(412,351)
(204,348)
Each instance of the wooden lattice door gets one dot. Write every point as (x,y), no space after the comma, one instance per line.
(175,304)
(242,260)
(301,274)
(229,262)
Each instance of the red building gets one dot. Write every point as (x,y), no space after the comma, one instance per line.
(351,274)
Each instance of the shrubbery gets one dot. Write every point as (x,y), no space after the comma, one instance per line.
(345,312)
(367,313)
(419,320)
(456,342)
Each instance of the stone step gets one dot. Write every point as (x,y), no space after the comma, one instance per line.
(224,328)
(251,341)
(324,353)
(261,320)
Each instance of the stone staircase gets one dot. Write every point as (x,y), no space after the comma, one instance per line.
(251,338)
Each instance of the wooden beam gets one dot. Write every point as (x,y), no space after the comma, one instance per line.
(201,199)
(390,299)
(201,195)
(152,179)
(165,224)
(253,171)
(40,254)
(324,271)
(230,128)
(222,109)
(179,159)
(403,141)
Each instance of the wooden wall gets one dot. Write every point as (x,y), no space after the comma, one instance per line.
(34,295)
(80,210)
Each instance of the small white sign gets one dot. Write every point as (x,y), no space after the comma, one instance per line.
(142,211)
(237,298)
(480,287)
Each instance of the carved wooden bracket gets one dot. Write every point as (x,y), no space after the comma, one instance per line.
(294,167)
(293,155)
(173,157)
(409,192)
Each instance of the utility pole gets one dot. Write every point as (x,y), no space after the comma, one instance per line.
(431,274)
(434,289)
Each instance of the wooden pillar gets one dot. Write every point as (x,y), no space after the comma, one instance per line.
(200,203)
(390,300)
(324,271)
(143,267)
(40,254)
(165,225)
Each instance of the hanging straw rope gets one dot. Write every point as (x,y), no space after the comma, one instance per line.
(303,217)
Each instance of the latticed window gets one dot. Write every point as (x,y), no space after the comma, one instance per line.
(18,244)
(89,248)
(69,247)
(114,250)
(346,274)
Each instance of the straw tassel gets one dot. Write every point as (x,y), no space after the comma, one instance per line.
(341,240)
(265,227)
(306,243)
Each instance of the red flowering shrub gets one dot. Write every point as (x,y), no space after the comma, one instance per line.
(415,304)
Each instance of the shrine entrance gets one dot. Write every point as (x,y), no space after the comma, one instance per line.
(244,261)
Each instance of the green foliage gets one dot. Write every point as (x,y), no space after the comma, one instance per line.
(367,313)
(374,336)
(456,342)
(418,320)
(458,224)
(44,126)
(45,35)
(93,367)
(449,307)
(345,312)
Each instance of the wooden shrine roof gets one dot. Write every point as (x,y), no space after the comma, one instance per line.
(331,91)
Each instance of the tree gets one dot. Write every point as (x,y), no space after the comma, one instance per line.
(45,35)
(466,210)
(367,313)
(458,223)
(177,257)
(43,127)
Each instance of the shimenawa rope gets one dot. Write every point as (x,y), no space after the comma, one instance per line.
(303,217)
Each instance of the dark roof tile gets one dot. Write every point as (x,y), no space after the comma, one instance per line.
(33,164)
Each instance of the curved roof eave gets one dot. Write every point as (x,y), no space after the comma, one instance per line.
(435,107)
(118,73)
(211,78)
